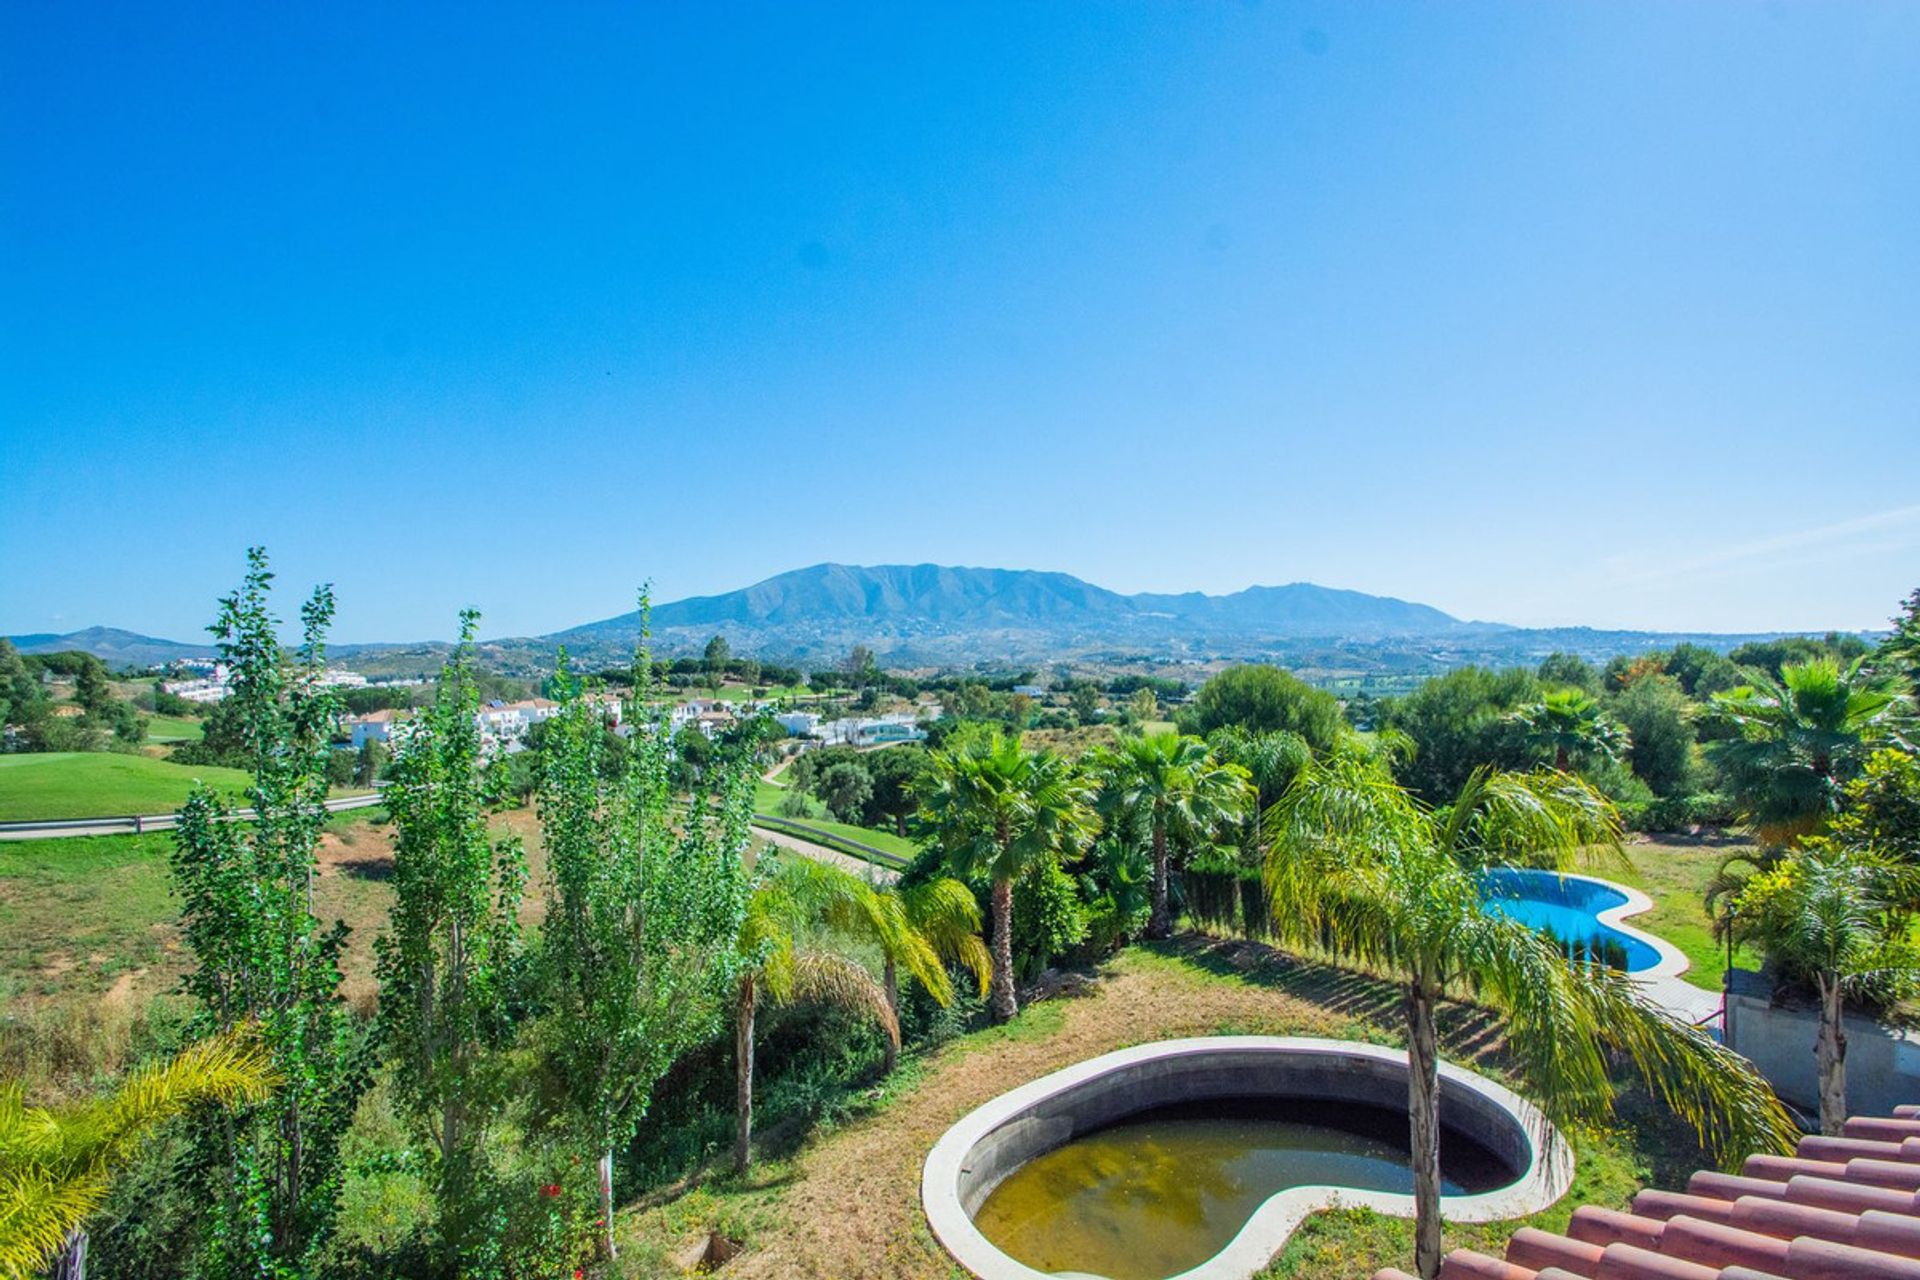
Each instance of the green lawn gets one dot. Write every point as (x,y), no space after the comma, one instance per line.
(173,729)
(93,784)
(1672,870)
(768,798)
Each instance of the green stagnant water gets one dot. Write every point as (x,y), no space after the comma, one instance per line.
(1164,1190)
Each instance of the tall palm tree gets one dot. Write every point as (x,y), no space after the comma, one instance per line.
(998,809)
(1826,913)
(1179,792)
(1358,867)
(1799,738)
(57,1165)
(1570,724)
(802,917)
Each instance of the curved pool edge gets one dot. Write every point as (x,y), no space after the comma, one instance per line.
(1548,1174)
(1672,963)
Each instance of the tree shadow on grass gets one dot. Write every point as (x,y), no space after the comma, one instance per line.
(375,869)
(1467,1031)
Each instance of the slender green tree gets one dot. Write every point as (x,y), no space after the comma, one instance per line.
(56,1165)
(997,810)
(1358,867)
(447,967)
(1182,795)
(645,903)
(1826,913)
(1799,738)
(261,956)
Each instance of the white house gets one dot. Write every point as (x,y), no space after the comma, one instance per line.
(376,726)
(801,724)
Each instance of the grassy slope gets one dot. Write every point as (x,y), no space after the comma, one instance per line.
(768,798)
(846,1203)
(95,784)
(174,729)
(77,913)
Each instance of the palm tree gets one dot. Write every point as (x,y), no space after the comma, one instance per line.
(943,914)
(799,912)
(1569,723)
(998,809)
(1800,737)
(1358,867)
(56,1165)
(1179,792)
(1826,913)
(1271,759)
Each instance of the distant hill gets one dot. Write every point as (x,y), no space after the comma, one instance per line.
(931,611)
(938,615)
(113,646)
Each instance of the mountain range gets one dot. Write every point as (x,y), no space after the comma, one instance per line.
(919,615)
(889,604)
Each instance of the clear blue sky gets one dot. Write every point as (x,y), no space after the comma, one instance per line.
(1544,313)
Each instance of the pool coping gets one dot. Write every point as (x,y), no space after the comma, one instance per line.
(1672,963)
(1546,1178)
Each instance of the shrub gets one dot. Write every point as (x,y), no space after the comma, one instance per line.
(1049,920)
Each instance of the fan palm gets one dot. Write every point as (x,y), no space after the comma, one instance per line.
(1360,868)
(1799,738)
(997,809)
(56,1165)
(1825,913)
(1569,724)
(1180,794)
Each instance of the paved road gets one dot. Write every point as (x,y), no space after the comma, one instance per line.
(53,829)
(832,857)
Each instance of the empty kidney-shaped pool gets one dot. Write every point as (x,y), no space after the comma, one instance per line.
(1197,1158)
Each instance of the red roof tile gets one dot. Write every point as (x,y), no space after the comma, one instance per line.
(1845,1208)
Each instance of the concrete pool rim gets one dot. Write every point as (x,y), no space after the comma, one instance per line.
(1672,963)
(1545,1178)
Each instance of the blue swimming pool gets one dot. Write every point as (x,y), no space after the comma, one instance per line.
(1567,908)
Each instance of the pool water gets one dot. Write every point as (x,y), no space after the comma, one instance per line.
(1164,1190)
(1568,909)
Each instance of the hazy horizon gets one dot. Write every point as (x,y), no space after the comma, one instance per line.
(1581,314)
(290,593)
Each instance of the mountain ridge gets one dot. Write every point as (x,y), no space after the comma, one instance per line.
(946,615)
(913,599)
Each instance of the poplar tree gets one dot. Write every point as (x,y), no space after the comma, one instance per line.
(644,901)
(261,956)
(447,967)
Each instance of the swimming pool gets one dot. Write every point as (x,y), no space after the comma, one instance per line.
(1570,908)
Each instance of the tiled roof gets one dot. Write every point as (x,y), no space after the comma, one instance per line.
(1845,1208)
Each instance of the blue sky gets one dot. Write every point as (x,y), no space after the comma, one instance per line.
(1548,314)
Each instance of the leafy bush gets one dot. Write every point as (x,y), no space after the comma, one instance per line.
(1049,920)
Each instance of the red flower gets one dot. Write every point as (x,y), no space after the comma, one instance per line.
(551,1190)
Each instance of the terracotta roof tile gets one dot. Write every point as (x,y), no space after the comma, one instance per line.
(1845,1208)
